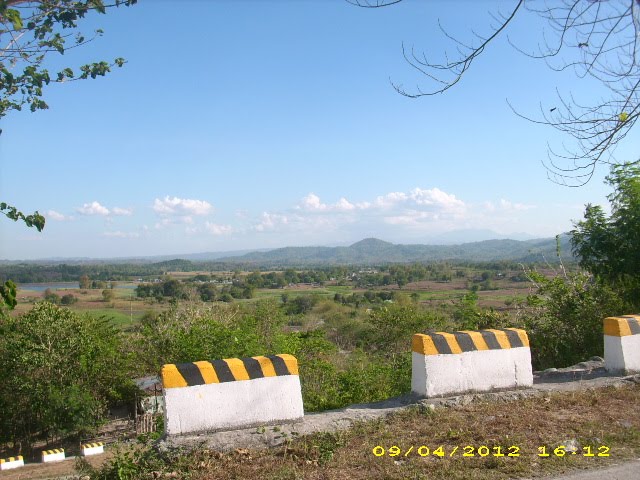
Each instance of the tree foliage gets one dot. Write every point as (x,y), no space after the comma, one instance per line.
(31,30)
(60,372)
(563,318)
(12,213)
(609,246)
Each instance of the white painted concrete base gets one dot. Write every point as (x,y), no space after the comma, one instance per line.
(87,451)
(480,371)
(8,465)
(232,405)
(622,354)
(52,457)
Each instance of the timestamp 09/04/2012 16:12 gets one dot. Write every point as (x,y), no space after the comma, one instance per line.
(489,451)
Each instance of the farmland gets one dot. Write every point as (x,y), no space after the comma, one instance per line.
(125,308)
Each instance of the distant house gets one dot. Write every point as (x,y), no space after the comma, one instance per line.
(152,400)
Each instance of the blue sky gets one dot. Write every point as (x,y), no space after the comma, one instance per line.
(261,124)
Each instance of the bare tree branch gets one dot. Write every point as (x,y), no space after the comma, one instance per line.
(597,39)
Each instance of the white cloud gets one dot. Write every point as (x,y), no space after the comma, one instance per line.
(120,234)
(436,198)
(181,206)
(507,205)
(271,221)
(122,211)
(216,229)
(312,203)
(93,208)
(57,216)
(416,212)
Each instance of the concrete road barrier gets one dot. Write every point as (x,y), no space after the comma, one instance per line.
(92,449)
(54,455)
(622,343)
(465,361)
(11,462)
(230,394)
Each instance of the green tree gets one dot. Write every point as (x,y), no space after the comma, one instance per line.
(609,247)
(7,296)
(564,318)
(85,282)
(107,295)
(34,220)
(50,296)
(68,299)
(35,29)
(60,372)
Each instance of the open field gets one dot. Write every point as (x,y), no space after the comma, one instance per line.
(125,309)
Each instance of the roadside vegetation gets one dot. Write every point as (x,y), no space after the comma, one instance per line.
(518,439)
(68,356)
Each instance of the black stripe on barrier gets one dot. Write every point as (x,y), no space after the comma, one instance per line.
(514,339)
(634,325)
(279,365)
(490,340)
(191,373)
(440,343)
(465,341)
(253,368)
(223,371)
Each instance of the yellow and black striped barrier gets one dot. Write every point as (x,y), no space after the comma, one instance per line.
(93,445)
(470,361)
(53,455)
(92,448)
(231,393)
(227,370)
(622,344)
(11,462)
(622,326)
(441,343)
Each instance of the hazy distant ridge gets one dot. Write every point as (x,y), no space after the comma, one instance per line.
(374,251)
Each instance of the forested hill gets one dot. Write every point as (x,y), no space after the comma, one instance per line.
(373,251)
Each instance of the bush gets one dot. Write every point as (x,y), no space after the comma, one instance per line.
(68,299)
(60,372)
(564,318)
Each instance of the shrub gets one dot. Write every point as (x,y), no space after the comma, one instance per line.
(60,372)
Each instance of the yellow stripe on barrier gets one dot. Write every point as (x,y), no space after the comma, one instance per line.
(622,326)
(291,362)
(238,370)
(453,343)
(11,459)
(226,370)
(171,377)
(501,337)
(208,372)
(477,339)
(443,343)
(267,366)
(423,344)
(93,445)
(53,452)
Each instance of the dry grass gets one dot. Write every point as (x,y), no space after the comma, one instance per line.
(604,417)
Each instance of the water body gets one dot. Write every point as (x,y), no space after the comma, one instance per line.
(41,287)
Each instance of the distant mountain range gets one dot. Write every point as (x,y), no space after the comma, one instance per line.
(374,251)
(365,252)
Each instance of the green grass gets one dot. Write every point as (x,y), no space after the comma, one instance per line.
(118,317)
